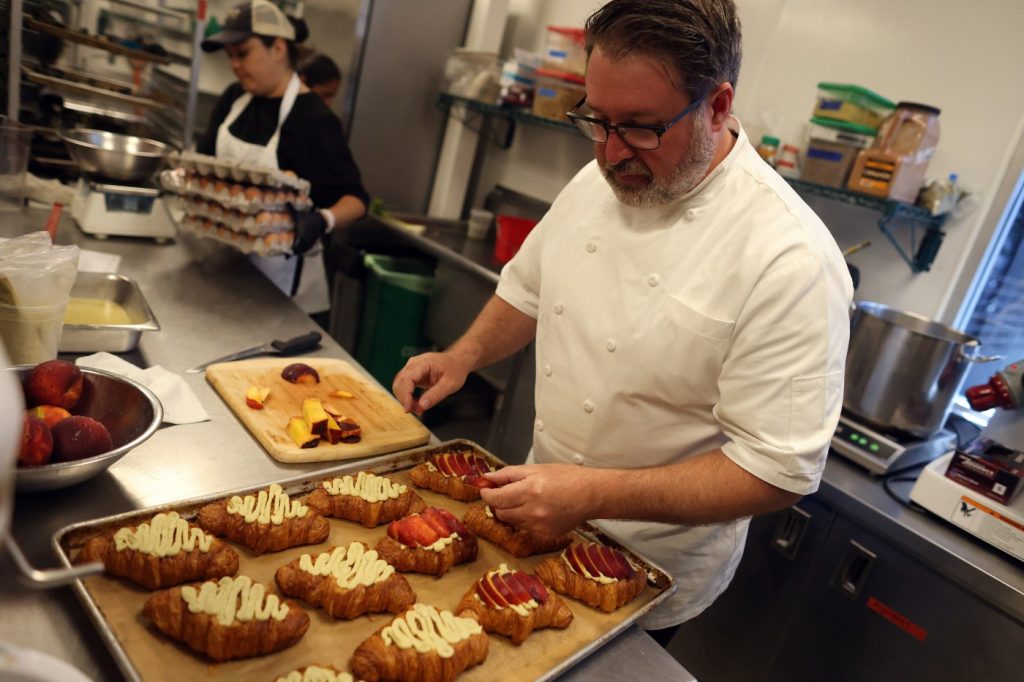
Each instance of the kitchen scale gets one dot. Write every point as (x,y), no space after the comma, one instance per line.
(1000,525)
(104,209)
(881,452)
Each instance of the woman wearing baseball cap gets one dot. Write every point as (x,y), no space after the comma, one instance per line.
(270,118)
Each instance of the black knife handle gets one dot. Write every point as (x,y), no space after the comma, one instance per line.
(299,344)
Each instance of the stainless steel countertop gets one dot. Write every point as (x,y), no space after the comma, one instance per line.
(992,575)
(209,301)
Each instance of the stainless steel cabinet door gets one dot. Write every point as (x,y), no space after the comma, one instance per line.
(872,612)
(737,638)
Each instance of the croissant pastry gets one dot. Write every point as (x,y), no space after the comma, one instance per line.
(514,604)
(367,499)
(346,582)
(430,542)
(517,542)
(167,550)
(228,619)
(266,522)
(315,673)
(422,644)
(456,472)
(597,575)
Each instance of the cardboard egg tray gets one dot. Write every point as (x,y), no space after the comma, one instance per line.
(257,225)
(268,244)
(238,172)
(236,196)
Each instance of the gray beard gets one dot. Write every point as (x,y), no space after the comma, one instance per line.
(688,174)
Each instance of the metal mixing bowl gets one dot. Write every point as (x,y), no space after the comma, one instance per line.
(112,156)
(128,409)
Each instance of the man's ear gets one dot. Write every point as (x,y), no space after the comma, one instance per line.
(721,105)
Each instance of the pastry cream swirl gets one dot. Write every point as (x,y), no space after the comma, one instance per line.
(426,629)
(367,486)
(349,567)
(234,599)
(315,674)
(164,535)
(269,506)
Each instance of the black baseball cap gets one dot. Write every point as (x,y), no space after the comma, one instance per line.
(256,18)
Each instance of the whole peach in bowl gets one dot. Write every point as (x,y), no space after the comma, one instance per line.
(89,432)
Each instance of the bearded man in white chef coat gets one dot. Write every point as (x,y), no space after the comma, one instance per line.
(690,314)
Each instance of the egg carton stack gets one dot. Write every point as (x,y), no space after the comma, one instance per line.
(239,204)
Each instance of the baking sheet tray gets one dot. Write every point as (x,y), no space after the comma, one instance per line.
(113,338)
(142,653)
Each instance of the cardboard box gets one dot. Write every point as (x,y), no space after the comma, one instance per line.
(990,469)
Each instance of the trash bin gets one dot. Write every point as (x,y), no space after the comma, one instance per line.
(391,328)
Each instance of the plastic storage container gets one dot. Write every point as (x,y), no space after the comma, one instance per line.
(473,74)
(852,104)
(511,233)
(564,49)
(832,151)
(391,329)
(556,93)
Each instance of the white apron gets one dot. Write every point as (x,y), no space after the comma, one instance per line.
(311,294)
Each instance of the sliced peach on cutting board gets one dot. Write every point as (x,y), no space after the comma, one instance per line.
(300,433)
(255,397)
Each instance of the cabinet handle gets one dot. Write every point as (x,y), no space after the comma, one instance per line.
(790,531)
(852,574)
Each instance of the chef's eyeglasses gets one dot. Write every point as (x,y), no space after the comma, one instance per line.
(636,135)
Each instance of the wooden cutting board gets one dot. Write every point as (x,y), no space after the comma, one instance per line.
(385,426)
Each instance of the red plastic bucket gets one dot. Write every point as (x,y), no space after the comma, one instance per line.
(511,233)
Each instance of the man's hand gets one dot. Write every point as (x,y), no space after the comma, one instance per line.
(440,373)
(546,500)
(310,226)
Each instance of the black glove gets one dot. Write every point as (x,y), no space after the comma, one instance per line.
(309,227)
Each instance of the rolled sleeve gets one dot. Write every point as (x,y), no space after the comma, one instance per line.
(519,285)
(781,385)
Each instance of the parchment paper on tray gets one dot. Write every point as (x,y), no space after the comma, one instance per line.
(144,654)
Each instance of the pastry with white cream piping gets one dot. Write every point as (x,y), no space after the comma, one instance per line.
(267,521)
(365,498)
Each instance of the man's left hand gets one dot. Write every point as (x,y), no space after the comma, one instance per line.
(546,500)
(310,226)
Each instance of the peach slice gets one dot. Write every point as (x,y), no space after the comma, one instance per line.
(300,373)
(315,415)
(341,394)
(488,594)
(414,531)
(519,593)
(256,396)
(300,433)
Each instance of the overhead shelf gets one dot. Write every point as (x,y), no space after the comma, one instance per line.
(95,41)
(510,115)
(921,231)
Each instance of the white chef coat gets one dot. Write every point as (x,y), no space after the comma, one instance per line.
(719,321)
(311,294)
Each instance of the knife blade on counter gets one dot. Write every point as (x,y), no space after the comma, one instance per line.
(299,344)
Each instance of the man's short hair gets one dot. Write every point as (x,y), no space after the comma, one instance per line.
(698,40)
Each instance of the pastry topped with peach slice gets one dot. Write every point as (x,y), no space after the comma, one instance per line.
(596,574)
(514,604)
(481,520)
(430,542)
(457,472)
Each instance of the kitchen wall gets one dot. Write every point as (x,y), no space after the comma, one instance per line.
(961,57)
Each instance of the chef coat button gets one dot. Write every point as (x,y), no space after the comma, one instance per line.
(653,281)
(610,345)
(591,247)
(547,370)
(559,308)
(588,406)
(540,425)
(690,213)
(577,458)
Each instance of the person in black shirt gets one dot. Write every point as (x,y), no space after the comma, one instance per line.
(270,118)
(321,75)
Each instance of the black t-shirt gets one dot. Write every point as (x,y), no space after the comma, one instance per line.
(312,142)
